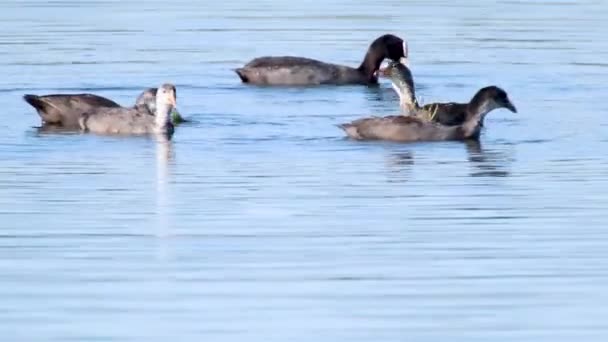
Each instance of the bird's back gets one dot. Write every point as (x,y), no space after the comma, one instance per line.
(66,109)
(449,114)
(401,129)
(118,121)
(288,70)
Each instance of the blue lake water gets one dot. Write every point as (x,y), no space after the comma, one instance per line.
(259,221)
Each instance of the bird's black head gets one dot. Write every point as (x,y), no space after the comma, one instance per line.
(494,97)
(386,46)
(391,46)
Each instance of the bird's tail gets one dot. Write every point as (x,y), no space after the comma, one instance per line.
(242,74)
(35,101)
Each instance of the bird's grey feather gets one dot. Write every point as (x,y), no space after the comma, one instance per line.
(66,109)
(135,120)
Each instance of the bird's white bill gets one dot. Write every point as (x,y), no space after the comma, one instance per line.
(173,100)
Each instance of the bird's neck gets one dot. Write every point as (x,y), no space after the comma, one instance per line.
(405,99)
(471,128)
(480,108)
(163,117)
(370,64)
(476,113)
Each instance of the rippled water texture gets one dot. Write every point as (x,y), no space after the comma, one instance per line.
(260,222)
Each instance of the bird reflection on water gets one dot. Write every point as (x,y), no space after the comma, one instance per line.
(488,163)
(484,162)
(164,156)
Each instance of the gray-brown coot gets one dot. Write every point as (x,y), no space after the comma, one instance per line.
(133,121)
(290,70)
(447,113)
(65,110)
(418,126)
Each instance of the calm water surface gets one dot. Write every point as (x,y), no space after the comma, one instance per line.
(260,222)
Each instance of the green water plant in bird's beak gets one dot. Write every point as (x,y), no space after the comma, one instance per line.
(176,117)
